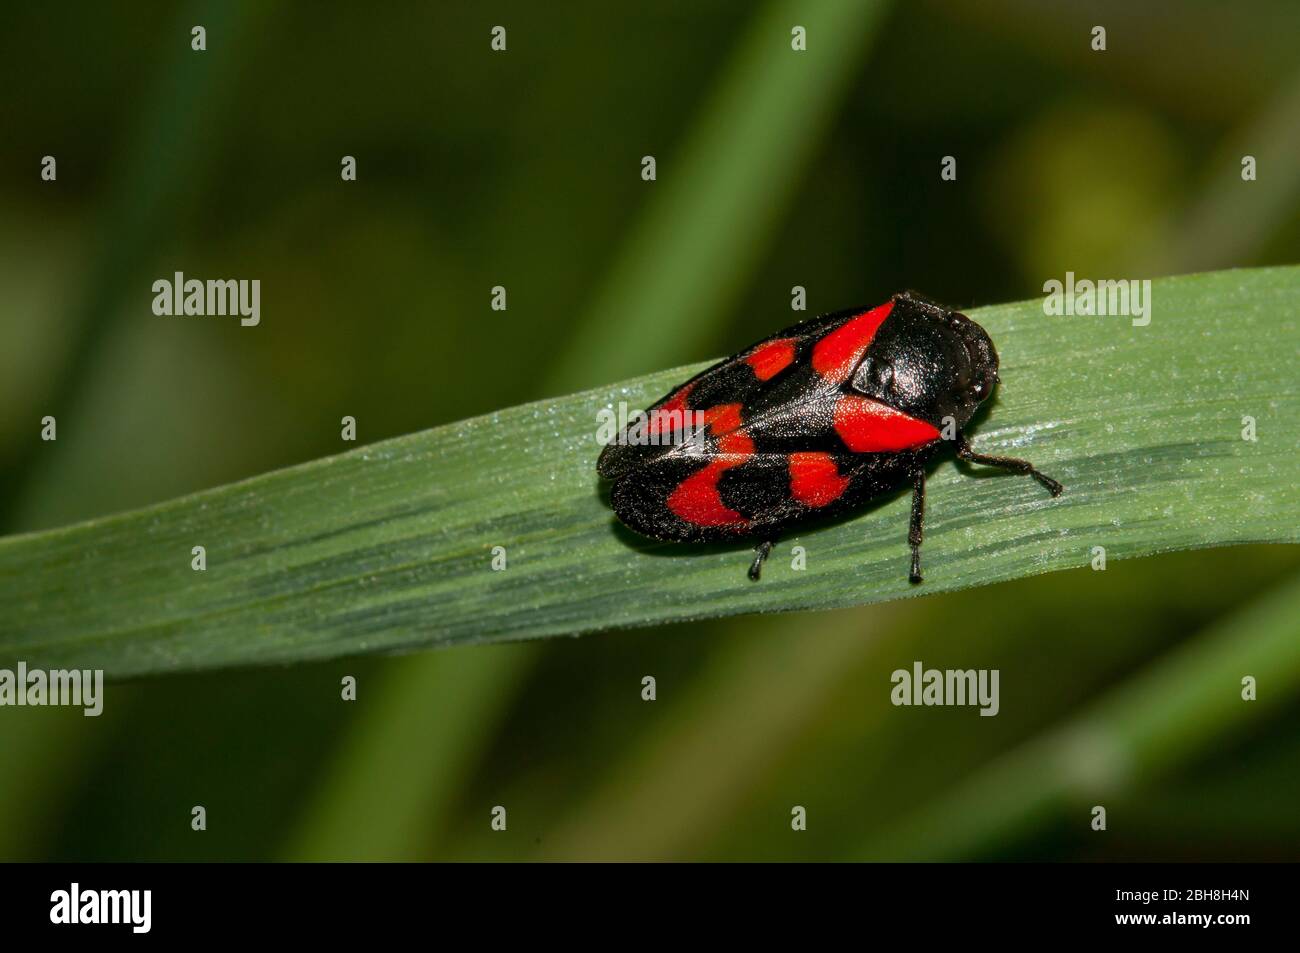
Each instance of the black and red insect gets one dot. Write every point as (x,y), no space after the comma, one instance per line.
(809,423)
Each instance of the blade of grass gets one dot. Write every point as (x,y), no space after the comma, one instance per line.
(1138,732)
(391,546)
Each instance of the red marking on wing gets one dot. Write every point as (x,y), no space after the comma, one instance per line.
(736,445)
(696,499)
(868,426)
(672,411)
(772,358)
(835,355)
(815,480)
(723,418)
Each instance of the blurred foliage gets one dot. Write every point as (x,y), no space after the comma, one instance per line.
(522,170)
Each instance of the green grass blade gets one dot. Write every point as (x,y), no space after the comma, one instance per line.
(390,546)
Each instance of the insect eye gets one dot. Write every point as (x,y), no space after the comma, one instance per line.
(882,375)
(874,377)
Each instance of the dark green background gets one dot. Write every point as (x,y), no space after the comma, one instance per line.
(522,169)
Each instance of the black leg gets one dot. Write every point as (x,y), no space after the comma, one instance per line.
(916,528)
(760,554)
(1007,463)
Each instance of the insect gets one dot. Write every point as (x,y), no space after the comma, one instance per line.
(812,422)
